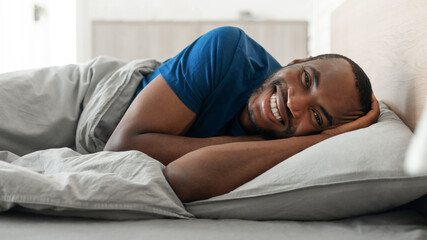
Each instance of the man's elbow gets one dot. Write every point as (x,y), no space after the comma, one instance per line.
(182,183)
(117,143)
(177,181)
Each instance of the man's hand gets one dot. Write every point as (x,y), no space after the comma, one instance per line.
(365,121)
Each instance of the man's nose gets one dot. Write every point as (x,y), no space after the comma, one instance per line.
(297,103)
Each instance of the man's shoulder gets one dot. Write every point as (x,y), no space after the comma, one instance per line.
(227,34)
(227,31)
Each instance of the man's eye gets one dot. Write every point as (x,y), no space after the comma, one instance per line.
(317,117)
(307,79)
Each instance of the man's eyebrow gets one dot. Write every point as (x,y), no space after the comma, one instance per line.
(316,75)
(327,115)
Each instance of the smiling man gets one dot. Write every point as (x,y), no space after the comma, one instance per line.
(223,111)
(308,96)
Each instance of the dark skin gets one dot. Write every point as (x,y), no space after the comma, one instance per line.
(310,96)
(199,168)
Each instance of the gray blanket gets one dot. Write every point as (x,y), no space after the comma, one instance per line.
(75,106)
(51,119)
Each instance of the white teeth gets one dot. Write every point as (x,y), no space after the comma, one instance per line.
(273,107)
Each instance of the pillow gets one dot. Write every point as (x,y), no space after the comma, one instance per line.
(416,156)
(355,173)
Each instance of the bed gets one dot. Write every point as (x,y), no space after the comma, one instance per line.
(355,188)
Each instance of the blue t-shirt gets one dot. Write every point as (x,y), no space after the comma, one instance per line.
(214,77)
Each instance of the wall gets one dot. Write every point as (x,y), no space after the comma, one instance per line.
(26,43)
(319,30)
(316,12)
(15,29)
(161,40)
(388,39)
(63,35)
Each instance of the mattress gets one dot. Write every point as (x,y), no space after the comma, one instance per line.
(398,224)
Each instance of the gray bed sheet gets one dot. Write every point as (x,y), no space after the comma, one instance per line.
(403,224)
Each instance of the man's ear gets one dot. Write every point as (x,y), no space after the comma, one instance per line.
(300,60)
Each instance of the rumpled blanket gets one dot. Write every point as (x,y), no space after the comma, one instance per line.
(75,106)
(54,123)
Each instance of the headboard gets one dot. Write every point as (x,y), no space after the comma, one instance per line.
(388,39)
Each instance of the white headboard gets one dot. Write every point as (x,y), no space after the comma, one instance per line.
(388,39)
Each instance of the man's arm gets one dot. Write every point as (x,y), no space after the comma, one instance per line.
(215,170)
(218,169)
(155,123)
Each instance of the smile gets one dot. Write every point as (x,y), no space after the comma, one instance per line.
(274,109)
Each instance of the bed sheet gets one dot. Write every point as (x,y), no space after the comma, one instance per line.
(394,225)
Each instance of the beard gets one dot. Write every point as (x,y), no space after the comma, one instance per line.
(265,133)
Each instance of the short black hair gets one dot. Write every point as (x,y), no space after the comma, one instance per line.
(363,84)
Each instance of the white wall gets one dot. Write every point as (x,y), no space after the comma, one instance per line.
(25,43)
(15,30)
(197,9)
(184,10)
(319,31)
(62,25)
(315,12)
(63,35)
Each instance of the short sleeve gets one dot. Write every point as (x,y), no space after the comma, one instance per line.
(195,72)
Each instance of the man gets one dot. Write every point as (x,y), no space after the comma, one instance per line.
(209,115)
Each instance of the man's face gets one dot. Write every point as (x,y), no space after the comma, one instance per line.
(302,99)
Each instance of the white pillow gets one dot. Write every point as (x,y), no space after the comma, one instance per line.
(416,156)
(355,173)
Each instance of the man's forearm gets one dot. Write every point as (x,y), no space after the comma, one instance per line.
(167,148)
(218,169)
